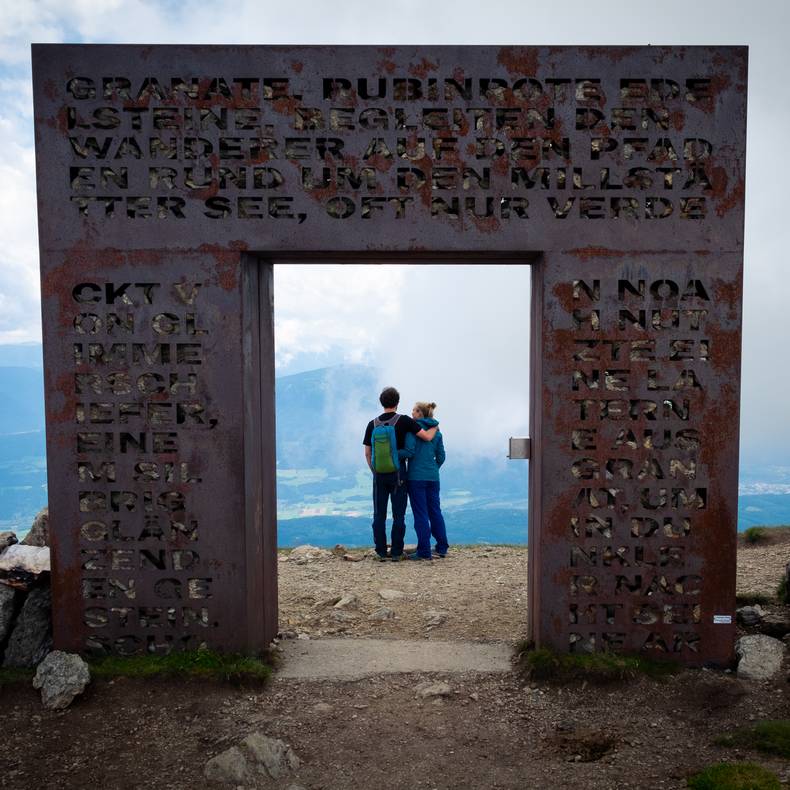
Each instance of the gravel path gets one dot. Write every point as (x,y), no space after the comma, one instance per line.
(478,593)
(352,660)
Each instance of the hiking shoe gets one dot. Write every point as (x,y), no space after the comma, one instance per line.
(415,556)
(380,557)
(396,557)
(437,556)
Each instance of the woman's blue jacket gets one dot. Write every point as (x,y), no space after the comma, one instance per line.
(425,458)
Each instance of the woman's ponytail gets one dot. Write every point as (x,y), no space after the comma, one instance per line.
(426,408)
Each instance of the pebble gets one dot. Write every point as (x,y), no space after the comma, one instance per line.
(390,595)
(428,689)
(434,618)
(347,601)
(330,601)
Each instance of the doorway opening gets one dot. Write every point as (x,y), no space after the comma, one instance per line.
(457,332)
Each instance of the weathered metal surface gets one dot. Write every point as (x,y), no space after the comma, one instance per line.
(639,454)
(518,448)
(163,168)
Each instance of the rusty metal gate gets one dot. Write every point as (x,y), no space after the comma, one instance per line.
(171,177)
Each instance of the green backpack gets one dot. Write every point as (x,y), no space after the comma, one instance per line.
(384,445)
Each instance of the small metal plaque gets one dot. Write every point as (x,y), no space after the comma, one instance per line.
(519,448)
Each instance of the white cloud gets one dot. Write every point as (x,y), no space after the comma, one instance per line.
(342,309)
(462,341)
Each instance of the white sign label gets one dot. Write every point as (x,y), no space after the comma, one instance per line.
(722,619)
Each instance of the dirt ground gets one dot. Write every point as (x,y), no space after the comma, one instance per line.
(493,731)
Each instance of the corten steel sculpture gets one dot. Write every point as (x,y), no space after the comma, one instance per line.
(171,178)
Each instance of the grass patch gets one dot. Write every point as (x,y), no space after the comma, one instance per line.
(596,668)
(11,675)
(770,737)
(193,664)
(734,776)
(754,535)
(752,599)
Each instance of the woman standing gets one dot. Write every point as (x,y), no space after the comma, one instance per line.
(425,458)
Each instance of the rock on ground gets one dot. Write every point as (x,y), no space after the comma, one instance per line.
(341,616)
(749,615)
(256,757)
(39,532)
(426,690)
(347,601)
(760,656)
(776,624)
(21,565)
(31,638)
(304,554)
(33,559)
(434,618)
(7,608)
(61,677)
(229,767)
(7,539)
(390,595)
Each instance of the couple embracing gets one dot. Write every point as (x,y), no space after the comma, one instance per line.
(404,454)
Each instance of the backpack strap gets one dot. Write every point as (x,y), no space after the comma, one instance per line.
(391,421)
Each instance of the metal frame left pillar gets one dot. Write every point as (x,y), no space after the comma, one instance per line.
(152,390)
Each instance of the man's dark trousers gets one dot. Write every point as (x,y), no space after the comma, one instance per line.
(386,487)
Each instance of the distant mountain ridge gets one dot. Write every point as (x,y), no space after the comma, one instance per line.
(323,486)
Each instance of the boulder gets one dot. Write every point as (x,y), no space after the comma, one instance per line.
(229,767)
(759,656)
(8,600)
(775,624)
(257,757)
(273,755)
(61,677)
(31,638)
(784,594)
(7,539)
(39,532)
(385,613)
(749,615)
(20,566)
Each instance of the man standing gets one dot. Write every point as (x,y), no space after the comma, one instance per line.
(390,484)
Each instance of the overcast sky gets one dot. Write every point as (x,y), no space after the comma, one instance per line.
(333,319)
